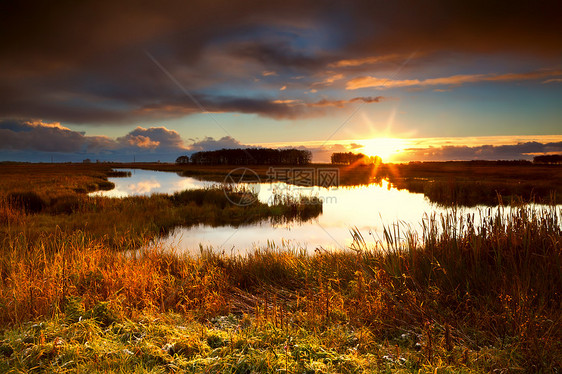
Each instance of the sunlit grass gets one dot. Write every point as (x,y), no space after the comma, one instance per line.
(464,295)
(469,294)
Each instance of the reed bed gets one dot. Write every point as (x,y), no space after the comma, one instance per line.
(468,295)
(131,222)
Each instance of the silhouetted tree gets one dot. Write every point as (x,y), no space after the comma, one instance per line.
(182,160)
(548,159)
(252,156)
(348,158)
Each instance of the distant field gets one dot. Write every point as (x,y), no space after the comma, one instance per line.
(447,183)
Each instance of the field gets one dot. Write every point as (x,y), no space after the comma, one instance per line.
(463,297)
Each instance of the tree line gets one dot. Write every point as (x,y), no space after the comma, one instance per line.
(548,159)
(348,158)
(248,156)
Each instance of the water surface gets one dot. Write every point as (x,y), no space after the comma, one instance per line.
(147,182)
(368,208)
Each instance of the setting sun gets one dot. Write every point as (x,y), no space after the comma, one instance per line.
(385,148)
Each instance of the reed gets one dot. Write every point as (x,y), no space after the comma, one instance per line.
(471,293)
(131,222)
(463,289)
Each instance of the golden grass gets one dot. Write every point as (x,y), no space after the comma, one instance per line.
(462,286)
(52,180)
(465,296)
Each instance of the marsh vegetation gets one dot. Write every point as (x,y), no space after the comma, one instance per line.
(464,295)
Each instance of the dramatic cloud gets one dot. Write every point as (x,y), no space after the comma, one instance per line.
(277,109)
(36,136)
(279,54)
(152,138)
(85,62)
(383,83)
(520,151)
(368,60)
(47,137)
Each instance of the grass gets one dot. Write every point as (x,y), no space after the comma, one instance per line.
(128,222)
(470,294)
(447,183)
(464,296)
(477,183)
(170,343)
(50,181)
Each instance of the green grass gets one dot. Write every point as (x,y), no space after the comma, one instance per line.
(229,344)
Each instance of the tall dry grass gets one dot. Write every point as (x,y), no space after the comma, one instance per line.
(462,283)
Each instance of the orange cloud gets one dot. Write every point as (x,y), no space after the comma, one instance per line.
(52,125)
(365,61)
(152,138)
(553,80)
(142,142)
(285,101)
(381,83)
(329,80)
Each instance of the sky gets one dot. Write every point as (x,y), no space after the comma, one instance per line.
(405,80)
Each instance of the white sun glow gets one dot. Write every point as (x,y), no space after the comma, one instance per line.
(383,141)
(385,148)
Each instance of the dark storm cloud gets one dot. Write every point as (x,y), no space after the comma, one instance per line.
(278,109)
(84,62)
(461,26)
(280,54)
(520,151)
